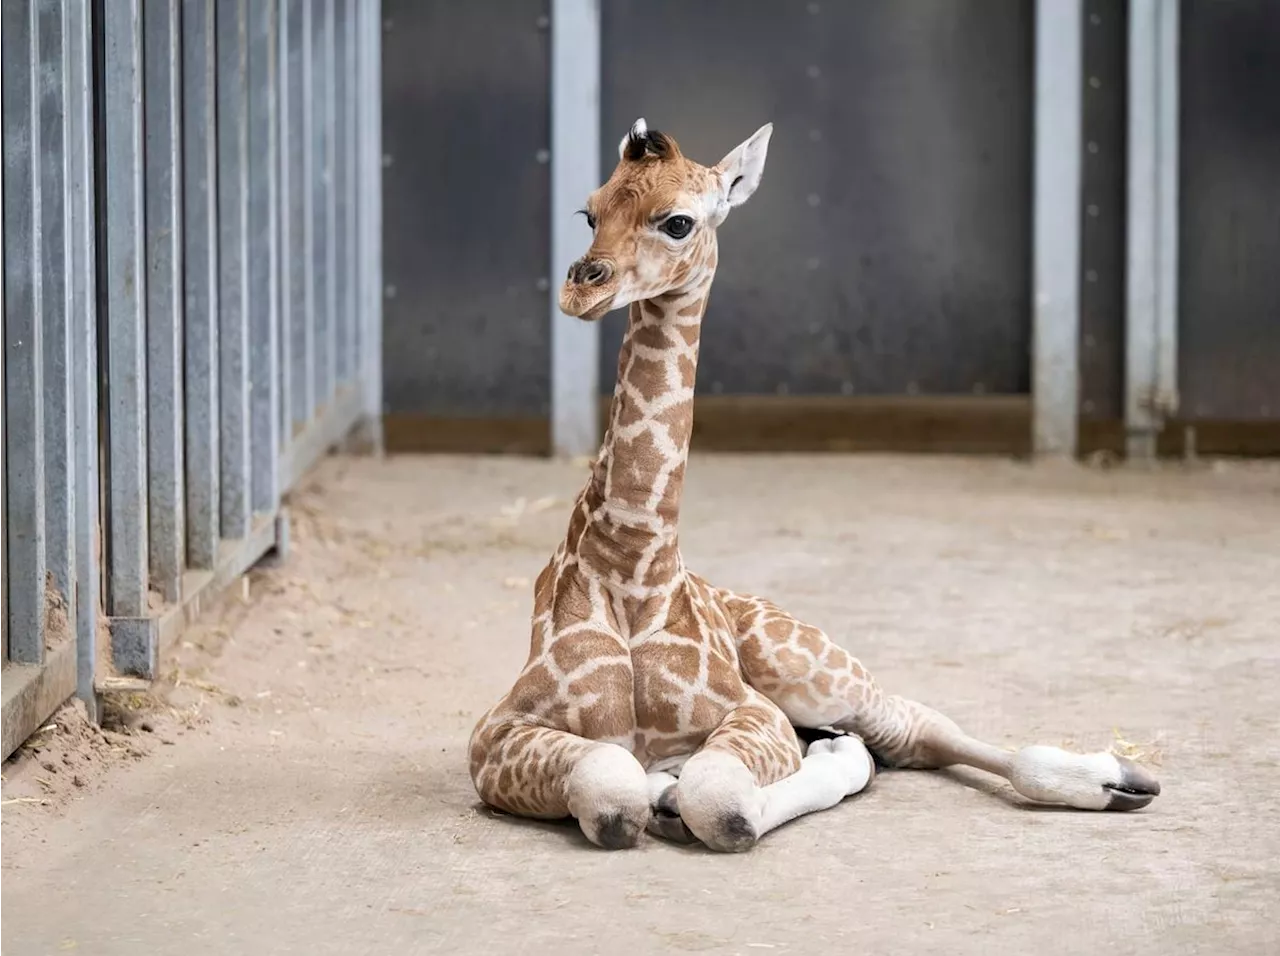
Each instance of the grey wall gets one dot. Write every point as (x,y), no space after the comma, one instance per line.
(1102,218)
(888,248)
(1229,268)
(465,114)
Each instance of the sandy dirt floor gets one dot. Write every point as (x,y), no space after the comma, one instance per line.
(298,784)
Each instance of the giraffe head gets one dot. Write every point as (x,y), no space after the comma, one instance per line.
(654,222)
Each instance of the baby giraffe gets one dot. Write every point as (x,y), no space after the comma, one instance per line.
(652,699)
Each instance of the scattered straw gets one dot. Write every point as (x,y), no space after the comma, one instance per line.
(1149,753)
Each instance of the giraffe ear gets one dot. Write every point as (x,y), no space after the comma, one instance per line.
(636,138)
(741,170)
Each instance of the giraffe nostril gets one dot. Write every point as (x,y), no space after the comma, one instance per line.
(597,273)
(590,272)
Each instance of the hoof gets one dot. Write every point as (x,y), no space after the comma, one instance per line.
(1137,787)
(665,821)
(614,831)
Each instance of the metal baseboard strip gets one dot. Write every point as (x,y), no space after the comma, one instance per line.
(330,426)
(32,693)
(137,657)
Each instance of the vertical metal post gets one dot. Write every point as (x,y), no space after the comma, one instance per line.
(349,142)
(23,359)
(1059,55)
(84,337)
(343,139)
(323,200)
(233,293)
(1168,399)
(200,280)
(126,289)
(59,477)
(371,207)
(263,261)
(285,231)
(575,171)
(4,564)
(300,112)
(1151,388)
(162,109)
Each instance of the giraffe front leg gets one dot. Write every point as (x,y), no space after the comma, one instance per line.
(543,773)
(749,778)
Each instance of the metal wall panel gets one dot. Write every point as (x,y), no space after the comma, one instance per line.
(888,249)
(466,201)
(1229,280)
(1102,285)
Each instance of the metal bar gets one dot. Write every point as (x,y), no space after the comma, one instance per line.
(200,280)
(4,497)
(1059,54)
(84,336)
(59,483)
(350,142)
(323,209)
(300,112)
(263,262)
(1151,259)
(233,236)
(162,109)
(1168,83)
(23,360)
(343,231)
(284,331)
(575,172)
(371,344)
(126,290)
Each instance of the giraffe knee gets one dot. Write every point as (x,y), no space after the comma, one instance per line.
(609,797)
(719,801)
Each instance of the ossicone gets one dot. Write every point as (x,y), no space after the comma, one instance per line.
(642,142)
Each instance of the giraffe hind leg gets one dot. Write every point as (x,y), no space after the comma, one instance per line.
(749,778)
(822,686)
(912,735)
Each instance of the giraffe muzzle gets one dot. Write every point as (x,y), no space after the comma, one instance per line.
(590,272)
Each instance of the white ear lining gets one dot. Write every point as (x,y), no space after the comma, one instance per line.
(638,129)
(742,168)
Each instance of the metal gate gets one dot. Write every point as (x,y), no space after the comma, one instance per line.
(192,291)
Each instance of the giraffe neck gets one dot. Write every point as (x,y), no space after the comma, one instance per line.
(638,477)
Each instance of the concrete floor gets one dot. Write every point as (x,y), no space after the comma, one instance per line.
(302,787)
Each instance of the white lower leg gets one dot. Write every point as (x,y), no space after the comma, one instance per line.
(831,771)
(722,806)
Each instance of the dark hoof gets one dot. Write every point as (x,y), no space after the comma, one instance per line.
(1137,787)
(665,821)
(615,832)
(734,834)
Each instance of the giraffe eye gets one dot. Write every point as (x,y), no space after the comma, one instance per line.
(677,227)
(591,220)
